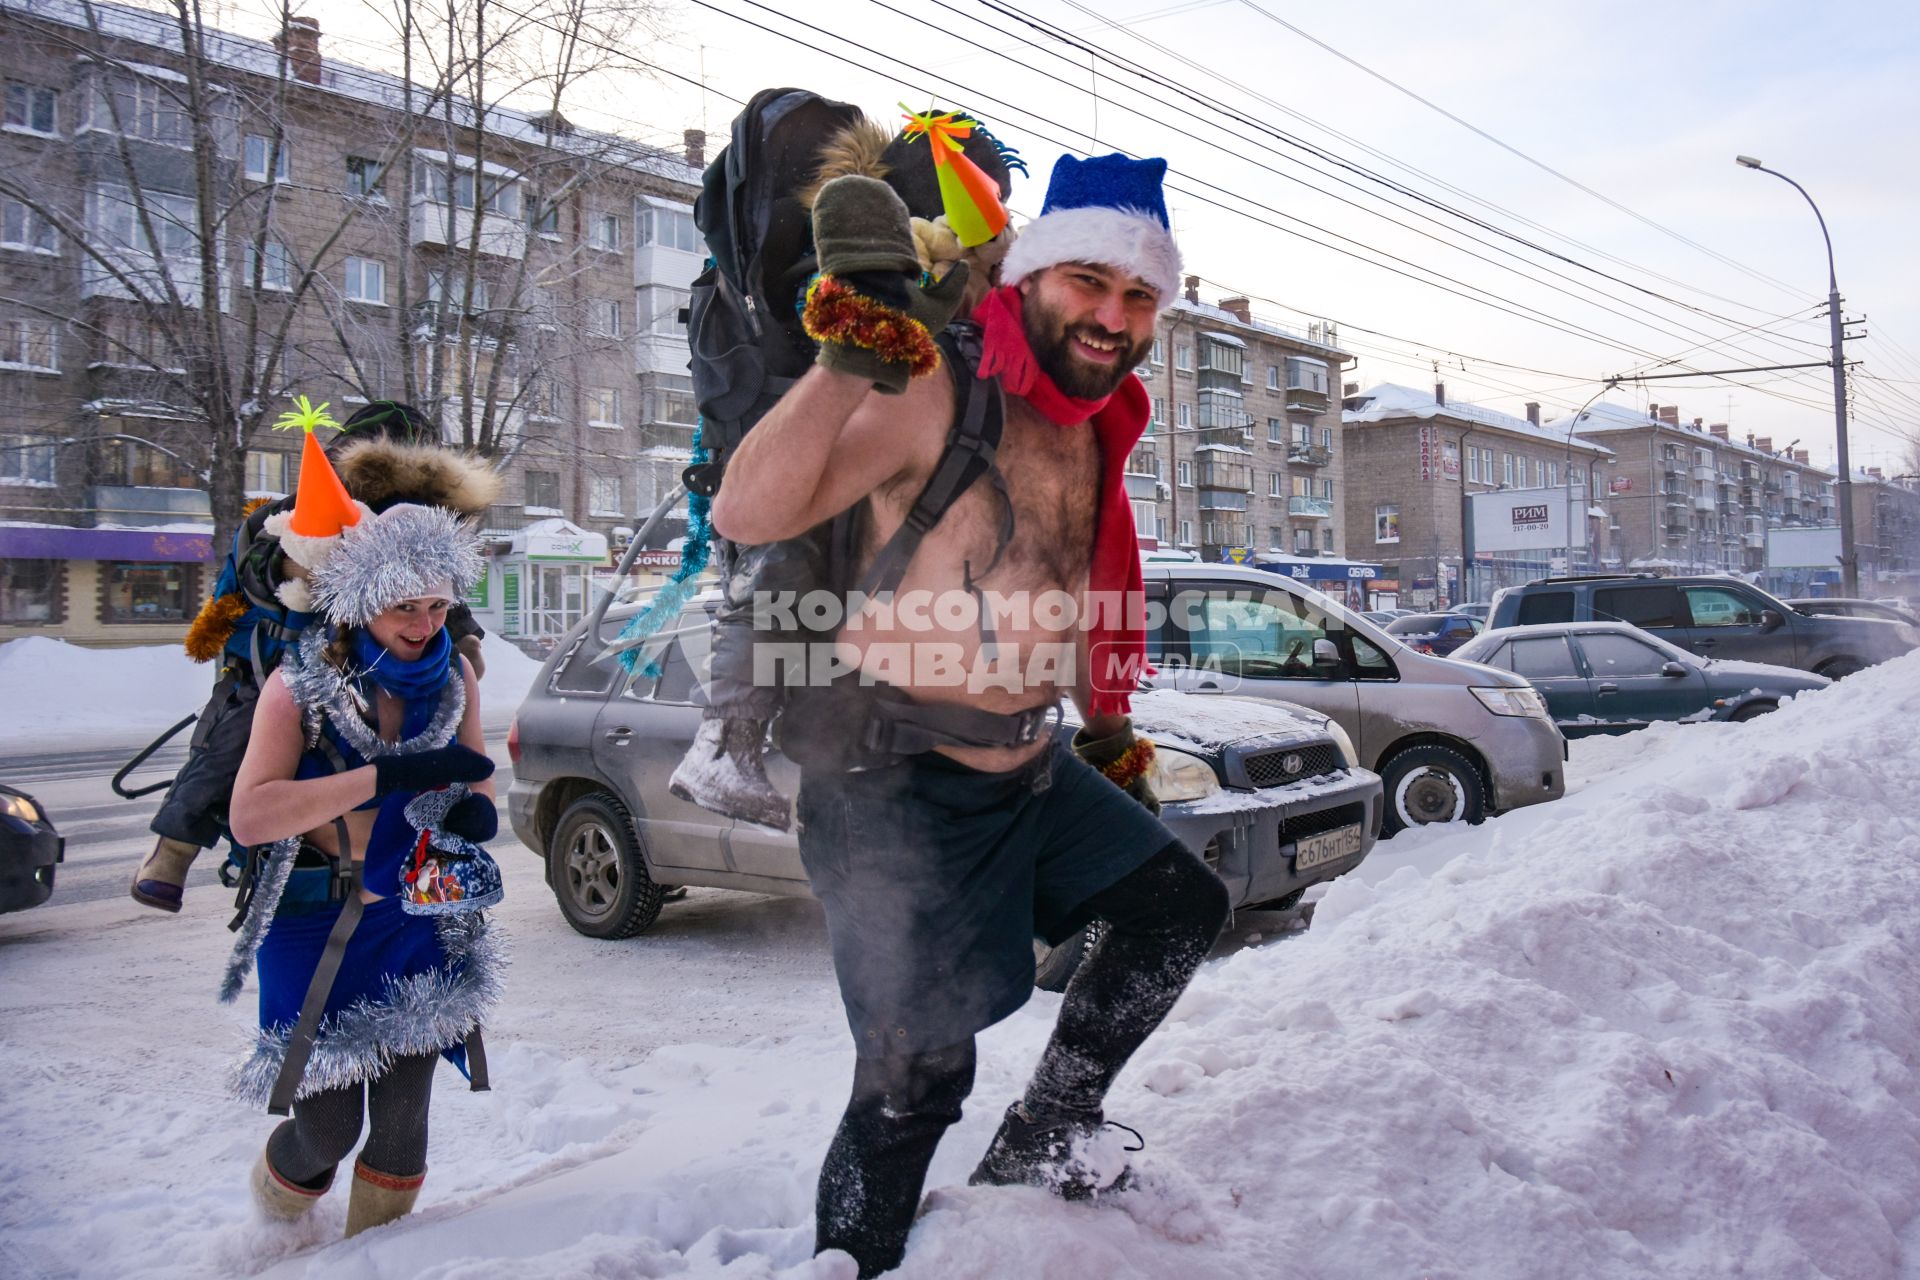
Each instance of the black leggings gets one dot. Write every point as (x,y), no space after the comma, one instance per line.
(1162,920)
(325,1126)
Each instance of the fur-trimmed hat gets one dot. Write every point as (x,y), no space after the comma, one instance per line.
(1107,210)
(386,472)
(406,552)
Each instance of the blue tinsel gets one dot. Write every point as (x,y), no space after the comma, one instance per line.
(694,551)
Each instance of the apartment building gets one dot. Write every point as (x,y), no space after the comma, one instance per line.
(312,227)
(1886,534)
(1689,497)
(1241,459)
(1416,461)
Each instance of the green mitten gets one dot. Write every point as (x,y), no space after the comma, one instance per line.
(1124,759)
(867,309)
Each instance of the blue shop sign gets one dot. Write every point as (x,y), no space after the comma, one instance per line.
(1321,570)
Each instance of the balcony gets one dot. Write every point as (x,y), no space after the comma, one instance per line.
(1314,508)
(1222,500)
(1705,471)
(1309,455)
(1237,476)
(1703,502)
(435,223)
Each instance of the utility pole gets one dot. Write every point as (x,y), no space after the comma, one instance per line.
(1849,555)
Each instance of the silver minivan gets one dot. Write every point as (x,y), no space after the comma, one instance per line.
(1450,740)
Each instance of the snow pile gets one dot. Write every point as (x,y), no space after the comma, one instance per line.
(57,695)
(1664,1027)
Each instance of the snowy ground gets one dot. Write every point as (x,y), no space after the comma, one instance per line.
(1662,1028)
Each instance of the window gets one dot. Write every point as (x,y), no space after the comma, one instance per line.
(29,590)
(271,263)
(367,280)
(1615,656)
(603,232)
(1258,633)
(1545,606)
(669,229)
(1306,375)
(1326,540)
(603,406)
(451,289)
(1183,357)
(1326,441)
(1386,523)
(30,344)
(1655,606)
(543,216)
(1539,473)
(662,311)
(432,182)
(1370,661)
(1159,355)
(1506,461)
(1303,540)
(1545,658)
(1160,410)
(1276,431)
(1186,533)
(364,178)
(605,314)
(1273,377)
(1303,486)
(1274,479)
(32,109)
(1714,607)
(143,593)
(542,490)
(1186,416)
(22,227)
(263,161)
(140,108)
(25,460)
(604,496)
(1473,463)
(114,218)
(1185,471)
(1553,474)
(1326,490)
(670,399)
(266,471)
(1303,433)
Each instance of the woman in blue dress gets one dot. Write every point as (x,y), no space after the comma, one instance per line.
(365,768)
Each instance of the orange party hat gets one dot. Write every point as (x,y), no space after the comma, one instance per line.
(321,506)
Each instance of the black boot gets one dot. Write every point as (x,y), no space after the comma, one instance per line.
(1077,1157)
(723,771)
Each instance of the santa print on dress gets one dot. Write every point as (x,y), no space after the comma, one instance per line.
(1114,644)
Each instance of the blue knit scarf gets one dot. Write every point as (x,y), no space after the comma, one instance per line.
(415,683)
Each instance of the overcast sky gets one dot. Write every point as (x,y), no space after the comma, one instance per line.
(1645,104)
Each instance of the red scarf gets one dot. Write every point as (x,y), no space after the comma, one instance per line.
(1116,637)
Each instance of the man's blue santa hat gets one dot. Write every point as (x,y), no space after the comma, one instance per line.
(1108,210)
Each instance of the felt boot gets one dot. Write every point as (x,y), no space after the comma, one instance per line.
(1073,1156)
(724,771)
(280,1199)
(379,1198)
(161,878)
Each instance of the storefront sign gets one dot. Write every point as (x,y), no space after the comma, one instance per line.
(1426,451)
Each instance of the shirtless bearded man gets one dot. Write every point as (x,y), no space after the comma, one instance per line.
(938,869)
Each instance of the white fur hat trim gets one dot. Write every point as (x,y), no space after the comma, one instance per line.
(303,550)
(1129,239)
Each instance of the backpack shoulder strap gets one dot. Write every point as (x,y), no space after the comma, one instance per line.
(972,441)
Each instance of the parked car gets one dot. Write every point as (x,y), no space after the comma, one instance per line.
(1842,607)
(1450,741)
(1608,677)
(1438,633)
(30,849)
(1269,795)
(1473,609)
(1713,617)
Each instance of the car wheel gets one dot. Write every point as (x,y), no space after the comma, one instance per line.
(1429,784)
(1839,668)
(1053,967)
(1751,710)
(599,878)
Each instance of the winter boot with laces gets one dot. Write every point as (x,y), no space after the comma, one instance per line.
(1077,1157)
(723,771)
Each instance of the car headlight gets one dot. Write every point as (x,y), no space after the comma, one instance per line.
(1506,701)
(1345,742)
(19,807)
(1180,775)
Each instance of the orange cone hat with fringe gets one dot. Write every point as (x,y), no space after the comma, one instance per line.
(322,507)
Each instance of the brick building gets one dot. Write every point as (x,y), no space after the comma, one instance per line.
(1242,455)
(1688,497)
(1886,533)
(1413,459)
(519,278)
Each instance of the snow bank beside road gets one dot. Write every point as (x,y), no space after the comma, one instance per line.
(1664,1027)
(60,696)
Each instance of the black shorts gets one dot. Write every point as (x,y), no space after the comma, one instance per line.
(937,878)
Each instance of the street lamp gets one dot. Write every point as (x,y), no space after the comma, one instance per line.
(1849,564)
(1573,425)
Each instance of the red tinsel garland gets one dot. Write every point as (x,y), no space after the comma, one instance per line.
(838,313)
(1132,764)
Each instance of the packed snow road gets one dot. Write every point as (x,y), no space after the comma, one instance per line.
(1664,1027)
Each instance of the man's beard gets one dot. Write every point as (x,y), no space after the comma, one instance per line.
(1052,342)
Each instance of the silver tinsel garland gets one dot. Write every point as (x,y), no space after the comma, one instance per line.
(319,689)
(403,553)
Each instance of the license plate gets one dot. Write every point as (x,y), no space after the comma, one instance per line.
(1328,846)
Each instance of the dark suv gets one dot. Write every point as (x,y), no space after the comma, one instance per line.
(1715,617)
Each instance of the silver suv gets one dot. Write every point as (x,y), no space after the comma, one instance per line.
(1450,740)
(1268,794)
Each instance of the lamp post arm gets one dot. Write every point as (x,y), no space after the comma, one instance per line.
(1833,279)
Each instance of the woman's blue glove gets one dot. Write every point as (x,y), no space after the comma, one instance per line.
(475,818)
(424,770)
